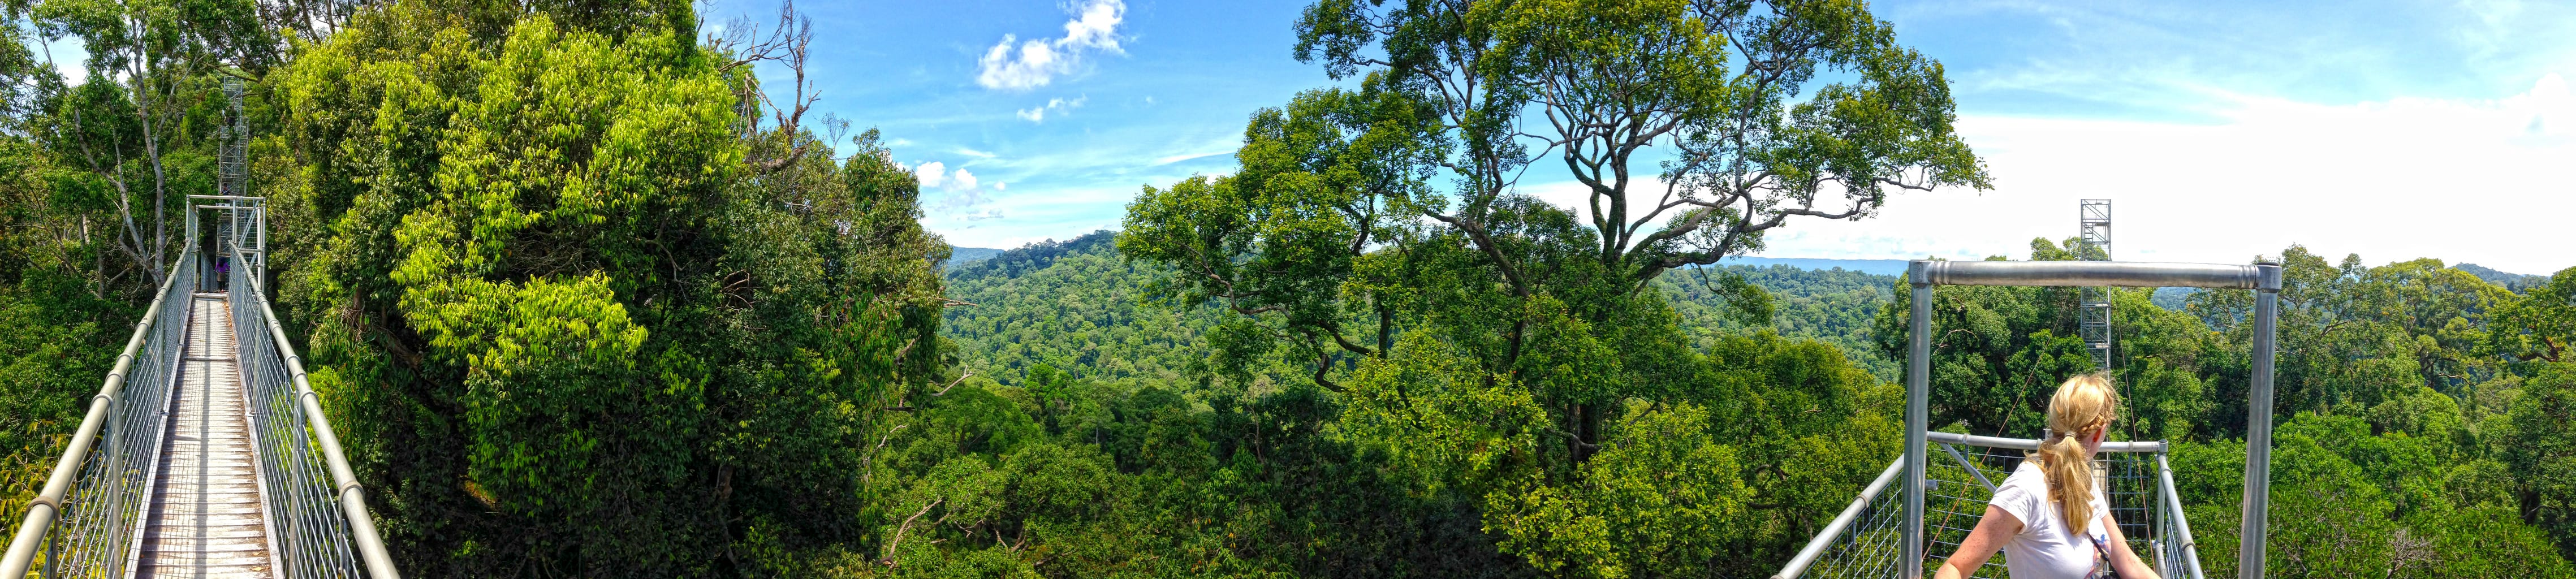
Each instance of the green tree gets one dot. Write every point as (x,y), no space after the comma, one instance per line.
(2541,451)
(577,317)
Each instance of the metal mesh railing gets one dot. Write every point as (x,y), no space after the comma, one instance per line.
(95,528)
(1959,480)
(312,535)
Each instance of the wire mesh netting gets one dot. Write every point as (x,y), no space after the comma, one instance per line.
(313,534)
(1959,480)
(101,521)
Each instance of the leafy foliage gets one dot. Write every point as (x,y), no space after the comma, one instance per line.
(570,328)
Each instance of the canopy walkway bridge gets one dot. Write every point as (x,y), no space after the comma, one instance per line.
(206,453)
(1941,484)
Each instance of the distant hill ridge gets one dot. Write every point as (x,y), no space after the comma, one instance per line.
(2513,281)
(1036,256)
(978,261)
(960,257)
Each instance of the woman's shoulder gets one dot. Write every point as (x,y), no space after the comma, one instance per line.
(2026,480)
(2023,494)
(2026,472)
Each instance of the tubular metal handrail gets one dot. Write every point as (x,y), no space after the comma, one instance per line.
(1864,541)
(2093,273)
(310,539)
(1815,547)
(104,510)
(290,427)
(2188,547)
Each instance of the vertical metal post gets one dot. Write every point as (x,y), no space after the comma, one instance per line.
(2258,426)
(263,242)
(200,268)
(1918,394)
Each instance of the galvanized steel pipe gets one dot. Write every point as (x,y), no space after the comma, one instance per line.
(2089,273)
(2033,444)
(352,496)
(1807,556)
(1918,395)
(2258,428)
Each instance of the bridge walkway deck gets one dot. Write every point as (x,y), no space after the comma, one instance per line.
(206,517)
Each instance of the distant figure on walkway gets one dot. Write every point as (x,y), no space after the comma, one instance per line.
(2035,511)
(222,266)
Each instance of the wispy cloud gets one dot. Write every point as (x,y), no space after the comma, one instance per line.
(1014,64)
(1188,156)
(974,153)
(1057,105)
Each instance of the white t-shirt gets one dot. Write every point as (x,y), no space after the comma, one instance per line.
(2045,549)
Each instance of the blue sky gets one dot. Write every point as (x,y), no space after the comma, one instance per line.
(2222,130)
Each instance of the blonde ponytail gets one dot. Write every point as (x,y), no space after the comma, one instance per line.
(2083,404)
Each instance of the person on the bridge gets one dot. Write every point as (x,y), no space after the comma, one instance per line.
(2034,512)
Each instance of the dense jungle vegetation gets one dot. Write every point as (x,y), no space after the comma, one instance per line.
(586,301)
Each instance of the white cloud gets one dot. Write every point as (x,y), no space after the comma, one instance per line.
(998,185)
(931,174)
(1014,64)
(974,153)
(2390,180)
(1060,106)
(960,186)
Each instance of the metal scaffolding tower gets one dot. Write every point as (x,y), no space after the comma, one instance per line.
(233,170)
(246,231)
(2094,309)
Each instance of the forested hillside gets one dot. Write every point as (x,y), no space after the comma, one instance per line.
(1078,307)
(588,297)
(2424,461)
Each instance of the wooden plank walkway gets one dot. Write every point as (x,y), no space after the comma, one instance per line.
(206,517)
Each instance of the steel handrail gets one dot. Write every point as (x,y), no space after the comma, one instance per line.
(2145,446)
(47,506)
(2173,502)
(352,495)
(1824,537)
(2094,273)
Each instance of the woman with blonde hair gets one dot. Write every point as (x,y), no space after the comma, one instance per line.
(2035,513)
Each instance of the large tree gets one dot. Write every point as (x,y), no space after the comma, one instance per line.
(577,312)
(1692,127)
(1501,343)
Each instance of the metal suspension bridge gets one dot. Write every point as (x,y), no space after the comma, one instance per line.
(206,452)
(1916,512)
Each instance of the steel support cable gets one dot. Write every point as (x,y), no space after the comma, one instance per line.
(151,342)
